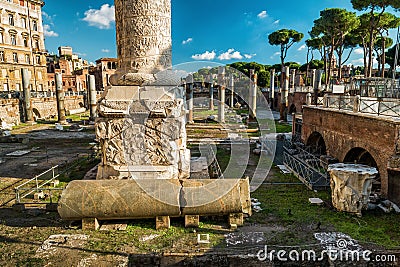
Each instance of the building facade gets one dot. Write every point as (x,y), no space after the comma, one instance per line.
(22,45)
(73,69)
(105,67)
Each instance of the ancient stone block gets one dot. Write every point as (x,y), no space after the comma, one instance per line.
(162,222)
(351,186)
(90,224)
(192,221)
(235,219)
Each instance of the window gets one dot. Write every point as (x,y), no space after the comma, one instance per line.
(15,57)
(11,19)
(1,38)
(27,59)
(1,56)
(23,23)
(25,38)
(22,2)
(13,39)
(34,25)
(37,59)
(37,44)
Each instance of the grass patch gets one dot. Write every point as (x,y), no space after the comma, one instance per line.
(283,127)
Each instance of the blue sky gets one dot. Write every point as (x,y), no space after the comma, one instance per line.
(216,30)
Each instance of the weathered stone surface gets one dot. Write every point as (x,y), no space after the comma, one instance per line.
(351,186)
(143,40)
(149,198)
(90,224)
(216,197)
(119,199)
(192,221)
(163,222)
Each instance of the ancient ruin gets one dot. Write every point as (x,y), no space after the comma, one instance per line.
(142,135)
(351,186)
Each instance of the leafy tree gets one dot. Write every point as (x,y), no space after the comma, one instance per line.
(313,64)
(335,24)
(375,11)
(293,65)
(361,37)
(284,38)
(263,75)
(390,57)
(320,44)
(380,50)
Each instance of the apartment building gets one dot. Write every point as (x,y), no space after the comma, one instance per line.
(73,69)
(105,67)
(22,45)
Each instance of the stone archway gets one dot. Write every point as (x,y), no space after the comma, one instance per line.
(362,156)
(36,114)
(316,143)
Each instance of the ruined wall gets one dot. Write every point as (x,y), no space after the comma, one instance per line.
(297,99)
(45,107)
(42,107)
(343,131)
(9,111)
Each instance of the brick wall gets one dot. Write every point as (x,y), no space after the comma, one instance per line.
(343,131)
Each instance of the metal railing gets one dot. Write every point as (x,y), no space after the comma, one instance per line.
(36,184)
(340,102)
(382,107)
(375,87)
(377,106)
(305,166)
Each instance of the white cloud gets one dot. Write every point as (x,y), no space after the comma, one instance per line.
(276,21)
(100,18)
(359,51)
(80,54)
(262,15)
(230,54)
(358,62)
(48,32)
(187,41)
(205,56)
(249,56)
(302,47)
(105,50)
(274,55)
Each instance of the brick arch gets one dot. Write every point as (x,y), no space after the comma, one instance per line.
(380,160)
(316,142)
(36,113)
(360,155)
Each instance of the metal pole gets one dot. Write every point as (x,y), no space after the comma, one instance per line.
(60,99)
(27,95)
